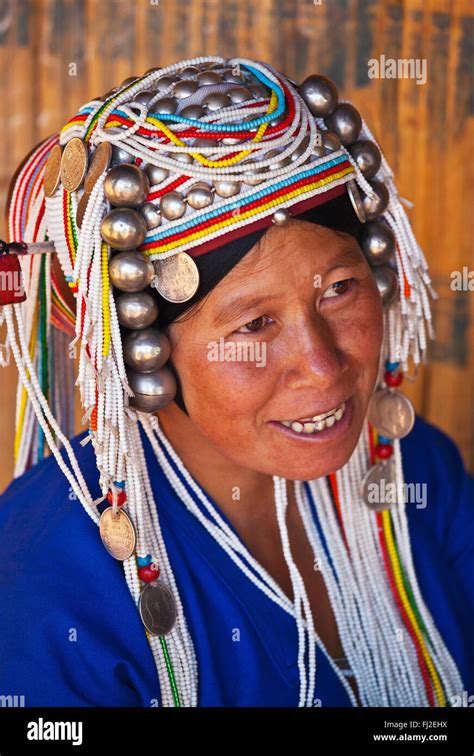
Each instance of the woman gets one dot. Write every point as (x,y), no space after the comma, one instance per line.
(251,490)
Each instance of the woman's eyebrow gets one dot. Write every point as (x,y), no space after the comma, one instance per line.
(233,308)
(347,256)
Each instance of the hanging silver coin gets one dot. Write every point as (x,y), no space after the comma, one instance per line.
(391,413)
(117,533)
(379,487)
(177,277)
(157,608)
(356,200)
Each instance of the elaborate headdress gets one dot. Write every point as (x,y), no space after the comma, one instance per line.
(139,183)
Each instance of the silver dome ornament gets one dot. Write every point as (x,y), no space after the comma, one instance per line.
(378,242)
(131,271)
(216,101)
(367,156)
(302,147)
(259,91)
(166,105)
(151,214)
(156,174)
(172,206)
(229,75)
(231,141)
(331,141)
(153,391)
(277,163)
(377,203)
(185,88)
(345,122)
(123,228)
(202,142)
(199,195)
(127,81)
(119,154)
(182,157)
(276,121)
(209,77)
(239,94)
(254,176)
(126,186)
(319,150)
(144,98)
(152,70)
(356,200)
(146,350)
(136,310)
(192,111)
(164,83)
(387,283)
(281,216)
(227,187)
(189,72)
(320,95)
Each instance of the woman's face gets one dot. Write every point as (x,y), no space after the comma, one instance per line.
(291,332)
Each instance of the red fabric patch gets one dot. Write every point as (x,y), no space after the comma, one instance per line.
(11,280)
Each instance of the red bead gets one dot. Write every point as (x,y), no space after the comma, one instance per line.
(121,498)
(393,379)
(149,573)
(384,451)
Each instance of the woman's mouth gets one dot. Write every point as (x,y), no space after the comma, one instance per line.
(320,427)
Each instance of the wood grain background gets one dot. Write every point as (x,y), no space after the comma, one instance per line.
(57,54)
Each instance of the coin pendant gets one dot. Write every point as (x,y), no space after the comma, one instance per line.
(157,608)
(355,198)
(391,413)
(100,162)
(81,208)
(177,277)
(52,171)
(378,487)
(74,164)
(117,533)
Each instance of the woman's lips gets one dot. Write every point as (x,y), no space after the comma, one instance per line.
(326,434)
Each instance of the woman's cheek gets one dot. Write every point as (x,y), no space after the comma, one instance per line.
(231,382)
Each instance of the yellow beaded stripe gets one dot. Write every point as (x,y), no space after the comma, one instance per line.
(387,527)
(105,300)
(70,233)
(160,248)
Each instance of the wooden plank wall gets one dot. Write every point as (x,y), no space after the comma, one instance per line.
(57,54)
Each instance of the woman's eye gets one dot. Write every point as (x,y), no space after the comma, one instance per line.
(338,288)
(253,325)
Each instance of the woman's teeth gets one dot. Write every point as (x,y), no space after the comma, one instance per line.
(318,422)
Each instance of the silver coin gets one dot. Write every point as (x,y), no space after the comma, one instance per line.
(117,533)
(157,608)
(378,487)
(391,413)
(356,199)
(177,277)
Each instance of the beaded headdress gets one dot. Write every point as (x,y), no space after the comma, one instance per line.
(140,182)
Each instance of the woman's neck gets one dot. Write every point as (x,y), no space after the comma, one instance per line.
(236,490)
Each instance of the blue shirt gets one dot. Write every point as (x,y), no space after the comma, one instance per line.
(71,634)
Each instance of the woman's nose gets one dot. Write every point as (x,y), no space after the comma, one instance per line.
(315,358)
